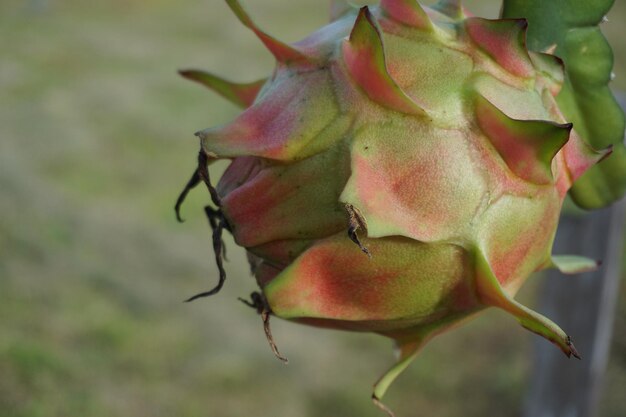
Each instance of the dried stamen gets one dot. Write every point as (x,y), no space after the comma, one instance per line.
(259,303)
(253,263)
(573,349)
(203,172)
(356,222)
(218,224)
(191,184)
(382,406)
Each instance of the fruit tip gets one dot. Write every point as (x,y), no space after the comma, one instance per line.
(364,13)
(188,73)
(572,349)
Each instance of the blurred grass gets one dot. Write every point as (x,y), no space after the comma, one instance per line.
(95,142)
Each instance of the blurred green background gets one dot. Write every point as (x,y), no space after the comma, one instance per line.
(96,140)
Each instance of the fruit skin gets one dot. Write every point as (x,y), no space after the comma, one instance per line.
(429,138)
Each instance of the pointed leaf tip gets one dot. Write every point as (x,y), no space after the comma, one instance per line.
(491,293)
(283,52)
(572,264)
(526,146)
(504,41)
(242,95)
(364,57)
(407,12)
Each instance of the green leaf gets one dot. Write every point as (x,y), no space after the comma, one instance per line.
(586,100)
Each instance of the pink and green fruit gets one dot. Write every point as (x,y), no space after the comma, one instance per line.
(401,170)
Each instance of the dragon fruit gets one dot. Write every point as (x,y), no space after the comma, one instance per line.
(401,170)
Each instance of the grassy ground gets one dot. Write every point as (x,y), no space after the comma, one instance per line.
(95,142)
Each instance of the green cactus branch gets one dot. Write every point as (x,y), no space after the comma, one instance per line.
(586,100)
(572,26)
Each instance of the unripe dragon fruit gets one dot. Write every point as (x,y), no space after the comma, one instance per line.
(402,169)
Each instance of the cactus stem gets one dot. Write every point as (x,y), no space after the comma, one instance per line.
(356,222)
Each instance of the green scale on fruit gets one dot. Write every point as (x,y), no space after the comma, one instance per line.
(401,170)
